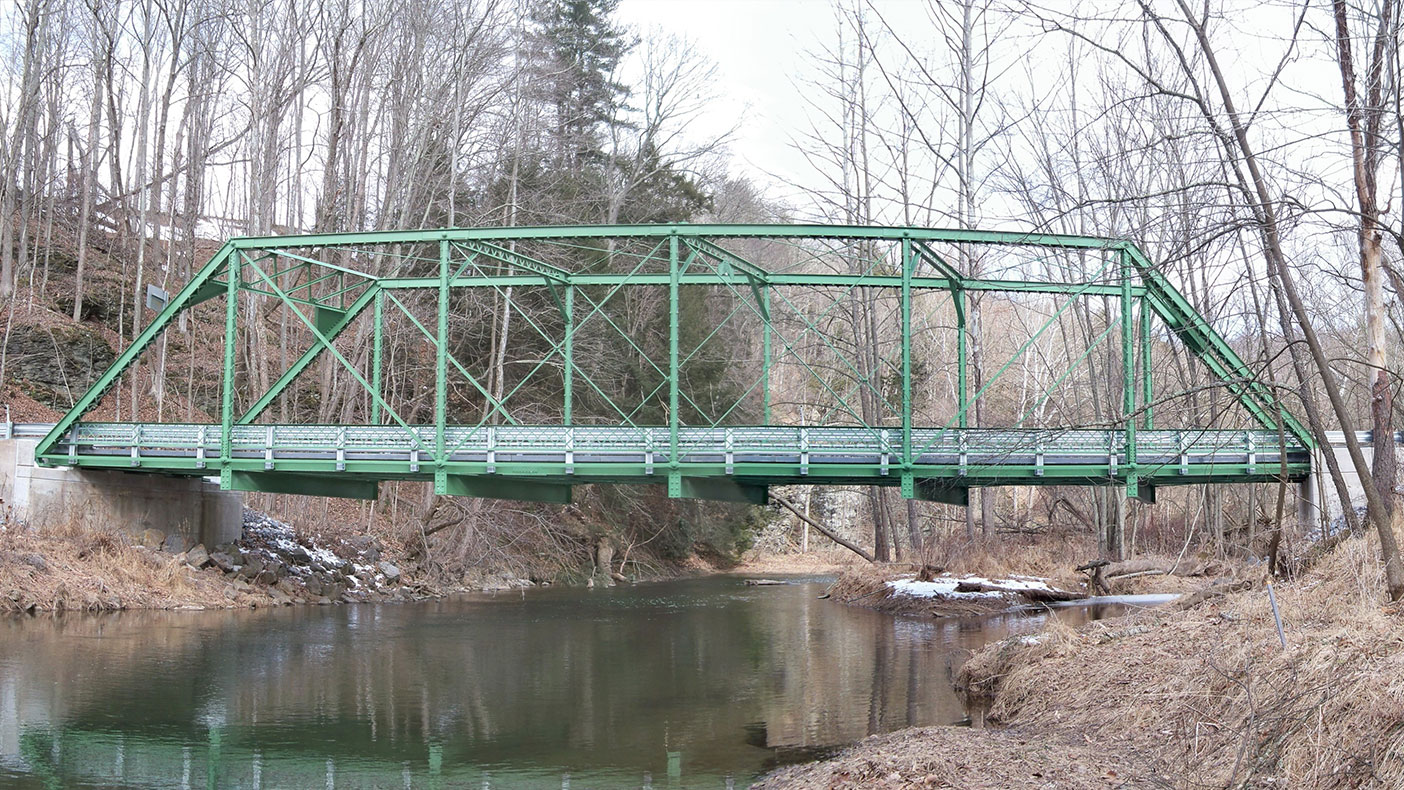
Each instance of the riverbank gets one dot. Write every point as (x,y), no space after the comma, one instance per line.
(270,565)
(1180,697)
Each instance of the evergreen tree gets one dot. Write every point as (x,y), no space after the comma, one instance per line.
(578,49)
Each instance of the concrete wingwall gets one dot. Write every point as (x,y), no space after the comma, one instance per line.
(64,498)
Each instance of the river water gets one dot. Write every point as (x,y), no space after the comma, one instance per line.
(703,683)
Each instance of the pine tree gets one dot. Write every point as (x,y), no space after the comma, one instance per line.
(579,47)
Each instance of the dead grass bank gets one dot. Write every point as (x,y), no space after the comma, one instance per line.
(101,571)
(1197,698)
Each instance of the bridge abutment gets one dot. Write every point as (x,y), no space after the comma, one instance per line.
(51,499)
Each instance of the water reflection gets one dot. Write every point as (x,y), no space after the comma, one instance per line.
(693,684)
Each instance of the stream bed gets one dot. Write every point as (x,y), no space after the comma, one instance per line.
(700,683)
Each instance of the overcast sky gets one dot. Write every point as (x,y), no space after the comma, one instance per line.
(759,48)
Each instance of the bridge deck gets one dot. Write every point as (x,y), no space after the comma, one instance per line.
(753,455)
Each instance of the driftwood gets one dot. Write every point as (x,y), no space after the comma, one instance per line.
(823,530)
(1036,596)
(1094,571)
(1052,596)
(763,582)
(1213,591)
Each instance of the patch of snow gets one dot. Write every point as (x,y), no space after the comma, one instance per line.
(945,586)
(940,588)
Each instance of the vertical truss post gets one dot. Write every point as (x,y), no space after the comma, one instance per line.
(908,484)
(441,372)
(233,273)
(1128,371)
(1147,386)
(569,353)
(674,476)
(962,373)
(378,343)
(765,352)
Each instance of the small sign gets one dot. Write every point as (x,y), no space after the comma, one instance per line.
(156,297)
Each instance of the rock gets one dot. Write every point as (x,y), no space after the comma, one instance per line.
(288,587)
(151,539)
(266,576)
(275,566)
(55,365)
(347,597)
(175,543)
(299,555)
(35,561)
(224,562)
(253,566)
(315,585)
(390,572)
(371,554)
(335,591)
(198,556)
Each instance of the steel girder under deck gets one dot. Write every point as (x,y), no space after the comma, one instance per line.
(328,281)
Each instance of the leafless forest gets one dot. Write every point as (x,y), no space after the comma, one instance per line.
(1254,150)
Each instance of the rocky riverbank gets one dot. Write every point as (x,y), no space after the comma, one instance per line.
(270,565)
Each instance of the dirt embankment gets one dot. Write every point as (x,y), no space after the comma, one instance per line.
(1204,696)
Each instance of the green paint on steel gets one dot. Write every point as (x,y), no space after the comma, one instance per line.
(328,298)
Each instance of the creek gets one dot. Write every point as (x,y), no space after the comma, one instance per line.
(700,683)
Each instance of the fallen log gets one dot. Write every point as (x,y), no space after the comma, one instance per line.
(1213,591)
(788,505)
(1052,595)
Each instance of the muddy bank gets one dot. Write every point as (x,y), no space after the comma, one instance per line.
(1195,695)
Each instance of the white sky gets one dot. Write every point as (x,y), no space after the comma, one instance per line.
(759,49)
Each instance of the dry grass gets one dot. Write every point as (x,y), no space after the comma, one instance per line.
(101,571)
(1205,697)
(1208,697)
(960,757)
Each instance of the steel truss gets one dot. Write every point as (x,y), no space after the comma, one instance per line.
(327,282)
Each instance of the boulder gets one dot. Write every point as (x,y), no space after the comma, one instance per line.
(252,567)
(175,543)
(390,572)
(151,539)
(198,556)
(224,562)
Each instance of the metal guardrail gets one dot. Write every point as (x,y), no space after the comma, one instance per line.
(146,444)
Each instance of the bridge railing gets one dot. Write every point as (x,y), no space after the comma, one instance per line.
(146,445)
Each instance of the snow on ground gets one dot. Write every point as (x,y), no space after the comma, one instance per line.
(945,586)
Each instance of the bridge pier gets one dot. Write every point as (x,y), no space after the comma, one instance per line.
(51,499)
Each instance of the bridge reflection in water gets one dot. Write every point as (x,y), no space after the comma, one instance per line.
(689,684)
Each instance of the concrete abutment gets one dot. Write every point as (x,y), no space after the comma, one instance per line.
(51,499)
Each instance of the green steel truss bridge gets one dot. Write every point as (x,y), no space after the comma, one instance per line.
(371,311)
